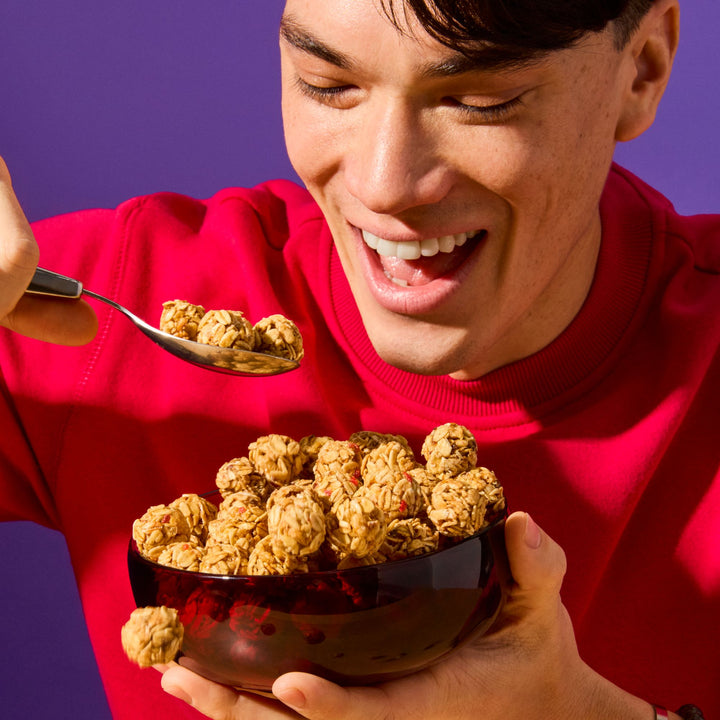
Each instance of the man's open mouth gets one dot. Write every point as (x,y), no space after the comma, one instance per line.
(414,263)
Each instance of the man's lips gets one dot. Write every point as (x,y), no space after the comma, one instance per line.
(412,277)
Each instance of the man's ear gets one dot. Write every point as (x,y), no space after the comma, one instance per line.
(651,51)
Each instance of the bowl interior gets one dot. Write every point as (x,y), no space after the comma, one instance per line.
(355,626)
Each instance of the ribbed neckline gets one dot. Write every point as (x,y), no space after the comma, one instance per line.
(573,359)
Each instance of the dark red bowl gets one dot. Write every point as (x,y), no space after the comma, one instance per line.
(355,627)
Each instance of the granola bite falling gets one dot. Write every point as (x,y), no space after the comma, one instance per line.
(227,329)
(181,319)
(279,336)
(152,635)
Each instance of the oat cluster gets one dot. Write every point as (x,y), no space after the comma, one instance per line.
(294,506)
(152,635)
(273,335)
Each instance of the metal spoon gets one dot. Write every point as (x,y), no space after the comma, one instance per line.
(227,360)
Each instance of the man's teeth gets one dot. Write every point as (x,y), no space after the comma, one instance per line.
(413,249)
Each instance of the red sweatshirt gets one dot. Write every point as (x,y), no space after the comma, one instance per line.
(608,436)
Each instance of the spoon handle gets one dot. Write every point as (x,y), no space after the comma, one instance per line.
(45,282)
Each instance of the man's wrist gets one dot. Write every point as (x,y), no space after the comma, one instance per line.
(686,712)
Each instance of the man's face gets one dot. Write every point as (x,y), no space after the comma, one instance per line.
(463,201)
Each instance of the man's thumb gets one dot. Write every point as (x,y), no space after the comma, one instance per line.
(537,562)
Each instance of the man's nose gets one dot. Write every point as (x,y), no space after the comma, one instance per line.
(394,163)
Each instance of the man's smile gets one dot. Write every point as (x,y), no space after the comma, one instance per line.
(412,263)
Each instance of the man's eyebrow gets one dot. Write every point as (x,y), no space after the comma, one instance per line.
(483,58)
(297,36)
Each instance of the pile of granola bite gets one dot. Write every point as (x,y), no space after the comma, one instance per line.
(273,335)
(292,506)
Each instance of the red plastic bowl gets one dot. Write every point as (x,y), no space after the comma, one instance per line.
(355,626)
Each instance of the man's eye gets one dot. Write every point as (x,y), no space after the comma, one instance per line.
(487,113)
(331,94)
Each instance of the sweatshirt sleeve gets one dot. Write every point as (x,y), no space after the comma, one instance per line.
(38,380)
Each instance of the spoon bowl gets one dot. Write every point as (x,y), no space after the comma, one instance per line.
(211,357)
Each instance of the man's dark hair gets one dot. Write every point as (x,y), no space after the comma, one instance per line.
(518,28)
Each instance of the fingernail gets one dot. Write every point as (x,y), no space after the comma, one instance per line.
(291,696)
(179,694)
(532,534)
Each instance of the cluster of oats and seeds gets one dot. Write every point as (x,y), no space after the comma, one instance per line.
(294,506)
(273,335)
(152,635)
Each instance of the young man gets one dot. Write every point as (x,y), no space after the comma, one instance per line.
(466,253)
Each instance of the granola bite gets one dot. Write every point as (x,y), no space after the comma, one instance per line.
(487,483)
(277,458)
(182,555)
(181,318)
(242,507)
(296,521)
(449,450)
(368,440)
(197,511)
(387,462)
(152,635)
(333,488)
(356,526)
(458,508)
(244,535)
(239,475)
(309,448)
(159,526)
(425,483)
(264,561)
(337,470)
(397,496)
(277,335)
(227,329)
(409,537)
(296,506)
(224,559)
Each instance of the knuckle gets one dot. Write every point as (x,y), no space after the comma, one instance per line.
(20,255)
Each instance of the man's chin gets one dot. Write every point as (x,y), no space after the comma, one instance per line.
(423,360)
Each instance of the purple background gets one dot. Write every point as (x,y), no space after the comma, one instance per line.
(100,101)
